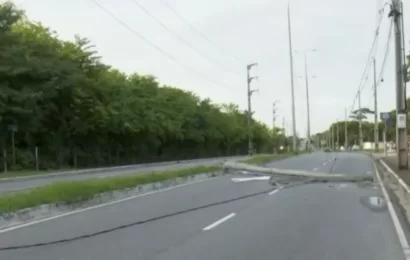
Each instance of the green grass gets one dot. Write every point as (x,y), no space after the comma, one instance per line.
(266,158)
(74,191)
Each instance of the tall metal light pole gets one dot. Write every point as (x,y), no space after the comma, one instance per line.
(294,139)
(249,96)
(307,96)
(401,128)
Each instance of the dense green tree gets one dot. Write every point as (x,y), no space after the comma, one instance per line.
(80,112)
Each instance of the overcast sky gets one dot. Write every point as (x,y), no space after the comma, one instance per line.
(244,31)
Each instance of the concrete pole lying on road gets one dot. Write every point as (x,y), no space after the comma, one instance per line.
(312,176)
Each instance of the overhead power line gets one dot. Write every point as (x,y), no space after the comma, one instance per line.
(368,62)
(386,53)
(164,53)
(221,49)
(142,8)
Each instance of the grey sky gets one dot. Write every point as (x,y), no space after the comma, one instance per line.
(254,30)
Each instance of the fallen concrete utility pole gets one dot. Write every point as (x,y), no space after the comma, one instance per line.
(314,176)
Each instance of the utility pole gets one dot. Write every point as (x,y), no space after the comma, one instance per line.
(376,113)
(284,126)
(360,121)
(249,95)
(337,134)
(346,141)
(294,139)
(273,125)
(333,138)
(329,139)
(401,138)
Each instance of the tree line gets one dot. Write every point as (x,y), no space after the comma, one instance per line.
(367,128)
(79,112)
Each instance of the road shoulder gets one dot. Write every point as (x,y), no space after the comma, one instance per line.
(398,192)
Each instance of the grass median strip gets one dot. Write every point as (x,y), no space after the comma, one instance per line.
(73,191)
(266,158)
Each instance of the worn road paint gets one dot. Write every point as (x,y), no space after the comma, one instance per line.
(218,222)
(275,191)
(260,178)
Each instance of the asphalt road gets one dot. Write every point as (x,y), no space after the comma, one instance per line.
(219,219)
(21,184)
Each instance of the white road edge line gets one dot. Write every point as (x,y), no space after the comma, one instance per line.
(218,222)
(396,222)
(99,206)
(315,169)
(274,191)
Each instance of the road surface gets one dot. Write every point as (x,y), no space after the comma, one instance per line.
(218,219)
(21,184)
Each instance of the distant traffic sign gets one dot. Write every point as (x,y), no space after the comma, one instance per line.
(389,122)
(385,116)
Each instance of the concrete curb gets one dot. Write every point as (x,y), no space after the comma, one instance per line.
(399,193)
(107,169)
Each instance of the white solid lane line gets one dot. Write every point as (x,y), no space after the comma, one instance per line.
(396,222)
(222,220)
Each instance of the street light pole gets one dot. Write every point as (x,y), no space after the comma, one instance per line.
(308,143)
(307,104)
(294,139)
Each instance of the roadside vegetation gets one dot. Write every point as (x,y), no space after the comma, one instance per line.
(266,158)
(76,191)
(60,97)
